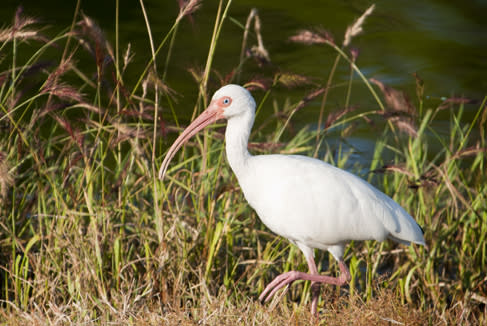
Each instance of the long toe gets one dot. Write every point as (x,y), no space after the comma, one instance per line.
(278,283)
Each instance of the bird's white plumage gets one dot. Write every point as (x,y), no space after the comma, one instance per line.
(310,202)
(316,204)
(307,200)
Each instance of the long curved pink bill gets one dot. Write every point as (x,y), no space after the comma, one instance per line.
(207,117)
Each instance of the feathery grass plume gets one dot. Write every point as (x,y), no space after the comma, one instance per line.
(63,91)
(301,104)
(196,73)
(404,122)
(35,68)
(21,21)
(12,101)
(291,80)
(142,113)
(224,79)
(427,179)
(406,125)
(258,83)
(228,78)
(356,28)
(469,151)
(8,34)
(6,179)
(308,37)
(393,168)
(50,107)
(259,51)
(102,47)
(250,17)
(153,79)
(187,8)
(89,107)
(127,57)
(75,134)
(244,51)
(456,100)
(397,101)
(419,86)
(401,111)
(19,29)
(124,132)
(334,116)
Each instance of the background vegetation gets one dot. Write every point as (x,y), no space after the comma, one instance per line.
(90,235)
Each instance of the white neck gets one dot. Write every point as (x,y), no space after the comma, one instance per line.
(237,137)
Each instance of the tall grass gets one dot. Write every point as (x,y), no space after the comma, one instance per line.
(89,235)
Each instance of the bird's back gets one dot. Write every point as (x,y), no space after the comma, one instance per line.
(319,205)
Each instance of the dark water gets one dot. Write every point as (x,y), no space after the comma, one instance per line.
(445,42)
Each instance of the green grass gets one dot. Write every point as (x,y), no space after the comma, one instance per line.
(90,235)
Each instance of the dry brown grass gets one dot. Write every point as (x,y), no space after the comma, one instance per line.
(383,309)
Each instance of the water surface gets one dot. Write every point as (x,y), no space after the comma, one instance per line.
(445,42)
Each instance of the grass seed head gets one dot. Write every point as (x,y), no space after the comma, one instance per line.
(6,179)
(291,80)
(397,101)
(309,37)
(187,8)
(101,48)
(356,28)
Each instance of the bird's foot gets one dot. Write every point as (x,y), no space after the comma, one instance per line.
(279,282)
(287,278)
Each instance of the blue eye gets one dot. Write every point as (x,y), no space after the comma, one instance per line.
(226,101)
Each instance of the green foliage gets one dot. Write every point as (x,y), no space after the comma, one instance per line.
(89,234)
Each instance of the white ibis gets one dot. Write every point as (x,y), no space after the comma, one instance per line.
(309,202)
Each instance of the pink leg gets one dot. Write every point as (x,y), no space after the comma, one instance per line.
(287,278)
(315,286)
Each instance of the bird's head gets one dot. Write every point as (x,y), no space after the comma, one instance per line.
(232,100)
(228,102)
